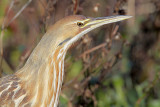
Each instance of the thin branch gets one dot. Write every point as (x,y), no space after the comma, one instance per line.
(19,12)
(75,2)
(115,31)
(93,49)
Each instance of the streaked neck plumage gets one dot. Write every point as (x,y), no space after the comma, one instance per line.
(46,79)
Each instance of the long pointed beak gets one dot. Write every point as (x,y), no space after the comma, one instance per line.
(96,22)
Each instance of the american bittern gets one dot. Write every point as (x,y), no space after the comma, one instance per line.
(38,83)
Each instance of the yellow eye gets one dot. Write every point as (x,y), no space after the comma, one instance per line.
(80,24)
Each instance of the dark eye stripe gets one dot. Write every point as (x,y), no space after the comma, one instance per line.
(64,41)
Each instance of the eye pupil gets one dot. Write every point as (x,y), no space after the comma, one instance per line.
(80,24)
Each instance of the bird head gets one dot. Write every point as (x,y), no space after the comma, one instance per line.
(72,28)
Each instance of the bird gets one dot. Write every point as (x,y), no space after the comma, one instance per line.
(38,83)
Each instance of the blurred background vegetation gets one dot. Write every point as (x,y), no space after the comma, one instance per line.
(117,65)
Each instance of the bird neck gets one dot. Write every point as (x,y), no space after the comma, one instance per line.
(43,72)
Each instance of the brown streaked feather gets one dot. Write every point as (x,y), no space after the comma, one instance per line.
(10,90)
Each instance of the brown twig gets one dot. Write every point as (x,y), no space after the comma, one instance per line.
(115,30)
(93,49)
(19,12)
(75,6)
